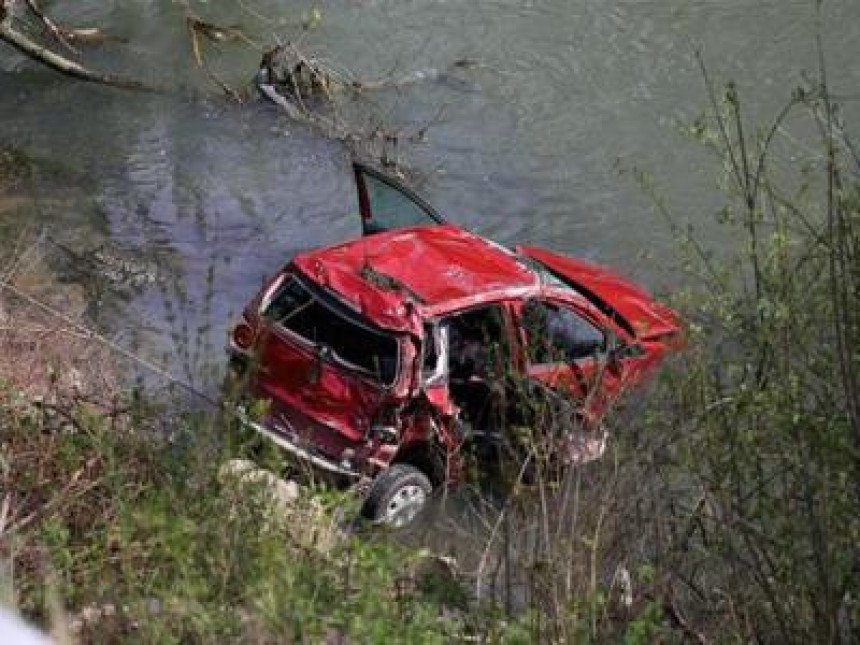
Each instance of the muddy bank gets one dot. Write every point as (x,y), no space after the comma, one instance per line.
(65,276)
(48,356)
(45,305)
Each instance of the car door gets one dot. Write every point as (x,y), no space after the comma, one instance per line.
(385,205)
(568,350)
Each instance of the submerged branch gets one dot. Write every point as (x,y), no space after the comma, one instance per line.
(58,63)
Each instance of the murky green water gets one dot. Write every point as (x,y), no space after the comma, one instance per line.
(526,147)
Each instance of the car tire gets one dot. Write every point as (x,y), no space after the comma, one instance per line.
(397,496)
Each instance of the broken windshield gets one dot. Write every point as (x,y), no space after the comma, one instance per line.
(331,328)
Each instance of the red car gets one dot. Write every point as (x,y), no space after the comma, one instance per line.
(384,357)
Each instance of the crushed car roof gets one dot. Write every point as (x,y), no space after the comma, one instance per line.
(438,268)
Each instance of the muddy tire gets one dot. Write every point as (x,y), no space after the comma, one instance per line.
(397,496)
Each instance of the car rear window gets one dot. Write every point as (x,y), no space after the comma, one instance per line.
(331,327)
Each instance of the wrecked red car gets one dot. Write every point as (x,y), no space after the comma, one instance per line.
(384,357)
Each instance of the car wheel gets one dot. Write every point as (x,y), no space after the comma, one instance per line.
(397,495)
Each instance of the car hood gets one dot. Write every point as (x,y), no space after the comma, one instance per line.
(643,316)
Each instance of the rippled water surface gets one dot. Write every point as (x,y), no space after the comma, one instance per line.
(525,147)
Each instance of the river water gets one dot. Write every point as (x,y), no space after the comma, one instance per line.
(527,146)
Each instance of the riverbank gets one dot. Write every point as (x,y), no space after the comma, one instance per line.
(120,521)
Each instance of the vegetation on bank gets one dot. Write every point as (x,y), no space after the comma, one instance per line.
(119,527)
(727,508)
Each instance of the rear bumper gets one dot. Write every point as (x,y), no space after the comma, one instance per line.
(285,437)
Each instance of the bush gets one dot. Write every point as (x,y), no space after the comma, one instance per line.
(752,509)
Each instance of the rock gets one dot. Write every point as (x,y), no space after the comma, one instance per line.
(292,508)
(283,493)
(90,615)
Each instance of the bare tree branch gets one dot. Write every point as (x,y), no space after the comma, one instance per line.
(58,33)
(49,58)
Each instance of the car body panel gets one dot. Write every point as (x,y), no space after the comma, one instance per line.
(294,377)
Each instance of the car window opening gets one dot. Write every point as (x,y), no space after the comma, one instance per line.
(553,279)
(478,353)
(558,334)
(326,325)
